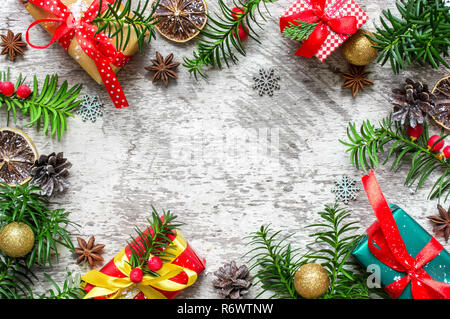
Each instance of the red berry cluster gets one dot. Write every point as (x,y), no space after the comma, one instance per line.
(243,34)
(154,264)
(416,132)
(8,89)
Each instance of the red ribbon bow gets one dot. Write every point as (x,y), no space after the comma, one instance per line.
(97,47)
(391,250)
(344,25)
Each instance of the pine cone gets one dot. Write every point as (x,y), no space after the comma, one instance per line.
(49,173)
(233,281)
(413,102)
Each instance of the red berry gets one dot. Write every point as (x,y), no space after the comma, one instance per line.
(154,263)
(445,153)
(433,141)
(242,33)
(7,88)
(415,132)
(136,275)
(236,12)
(23,91)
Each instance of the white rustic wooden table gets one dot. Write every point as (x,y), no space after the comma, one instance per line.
(214,152)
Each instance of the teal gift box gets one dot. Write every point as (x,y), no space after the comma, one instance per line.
(415,239)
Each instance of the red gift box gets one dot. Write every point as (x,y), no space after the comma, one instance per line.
(185,260)
(337,21)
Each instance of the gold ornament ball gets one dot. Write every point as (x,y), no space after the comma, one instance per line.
(311,281)
(358,49)
(16,239)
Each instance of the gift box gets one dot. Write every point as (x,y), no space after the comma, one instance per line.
(412,264)
(336,21)
(70,24)
(178,272)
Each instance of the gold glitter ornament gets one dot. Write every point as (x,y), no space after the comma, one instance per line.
(358,49)
(311,281)
(16,239)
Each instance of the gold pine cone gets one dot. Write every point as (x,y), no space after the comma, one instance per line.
(16,239)
(311,281)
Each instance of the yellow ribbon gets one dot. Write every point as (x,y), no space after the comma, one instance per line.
(108,285)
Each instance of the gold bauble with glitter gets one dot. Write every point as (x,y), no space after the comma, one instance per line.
(311,281)
(358,49)
(16,239)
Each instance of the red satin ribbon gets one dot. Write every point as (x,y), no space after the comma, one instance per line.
(344,25)
(391,250)
(97,47)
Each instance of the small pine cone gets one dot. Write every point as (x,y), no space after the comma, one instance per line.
(232,281)
(412,103)
(49,173)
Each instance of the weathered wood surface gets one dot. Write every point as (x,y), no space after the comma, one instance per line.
(213,151)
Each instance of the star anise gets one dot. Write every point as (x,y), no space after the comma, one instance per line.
(356,78)
(163,68)
(88,251)
(442,222)
(12,44)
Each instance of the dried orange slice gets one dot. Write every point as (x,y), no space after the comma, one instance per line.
(17,156)
(181,20)
(441,92)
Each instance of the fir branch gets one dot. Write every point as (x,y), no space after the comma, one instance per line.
(218,39)
(422,34)
(15,278)
(48,109)
(365,145)
(300,31)
(69,290)
(25,204)
(154,242)
(119,20)
(275,263)
(334,240)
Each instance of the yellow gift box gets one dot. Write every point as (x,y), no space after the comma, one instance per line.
(78,8)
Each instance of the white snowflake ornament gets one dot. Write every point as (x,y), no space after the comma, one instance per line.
(90,108)
(345,189)
(266,82)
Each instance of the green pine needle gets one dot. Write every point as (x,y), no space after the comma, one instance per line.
(366,145)
(300,31)
(147,245)
(48,109)
(275,262)
(25,204)
(421,35)
(119,20)
(218,41)
(334,240)
(15,278)
(70,289)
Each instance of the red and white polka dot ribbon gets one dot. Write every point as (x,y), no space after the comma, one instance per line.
(97,47)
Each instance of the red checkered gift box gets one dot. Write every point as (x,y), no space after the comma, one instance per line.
(336,21)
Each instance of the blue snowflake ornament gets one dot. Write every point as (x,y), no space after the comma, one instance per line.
(345,189)
(90,108)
